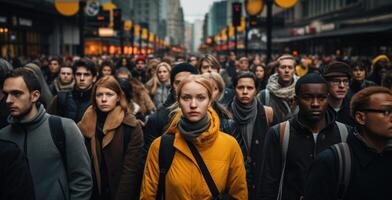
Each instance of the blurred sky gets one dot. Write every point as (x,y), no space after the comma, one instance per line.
(195,9)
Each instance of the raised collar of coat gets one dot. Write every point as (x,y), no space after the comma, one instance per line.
(114,119)
(298,125)
(204,140)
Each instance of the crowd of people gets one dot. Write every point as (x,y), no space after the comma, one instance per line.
(197,127)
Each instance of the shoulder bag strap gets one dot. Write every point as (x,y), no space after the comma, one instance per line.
(204,170)
(166,155)
(58,136)
(343,131)
(343,155)
(285,145)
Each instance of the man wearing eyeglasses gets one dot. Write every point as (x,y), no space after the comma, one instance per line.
(338,75)
(370,153)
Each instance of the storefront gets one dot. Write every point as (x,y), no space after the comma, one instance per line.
(33,28)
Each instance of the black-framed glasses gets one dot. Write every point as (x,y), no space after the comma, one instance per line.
(339,81)
(385,112)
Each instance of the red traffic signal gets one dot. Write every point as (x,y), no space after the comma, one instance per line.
(236,14)
(103,18)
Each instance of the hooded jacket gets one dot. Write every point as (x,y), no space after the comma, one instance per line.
(184,180)
(52,180)
(122,163)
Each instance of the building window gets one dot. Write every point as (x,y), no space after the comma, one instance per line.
(305,9)
(349,2)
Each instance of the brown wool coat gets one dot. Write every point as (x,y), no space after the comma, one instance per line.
(123,168)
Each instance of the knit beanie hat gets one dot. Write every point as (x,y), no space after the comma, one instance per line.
(182,67)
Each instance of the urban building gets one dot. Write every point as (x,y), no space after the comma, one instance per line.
(357,27)
(217,17)
(189,36)
(175,25)
(197,34)
(146,12)
(32,28)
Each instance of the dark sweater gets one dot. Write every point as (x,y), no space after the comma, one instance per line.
(371,174)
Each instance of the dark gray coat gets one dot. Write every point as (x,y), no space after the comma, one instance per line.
(51,179)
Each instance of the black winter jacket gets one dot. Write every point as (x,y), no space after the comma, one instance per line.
(254,156)
(15,178)
(343,115)
(370,178)
(71,104)
(301,152)
(158,121)
(227,124)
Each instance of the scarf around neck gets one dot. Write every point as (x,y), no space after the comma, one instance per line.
(245,116)
(280,91)
(191,130)
(63,87)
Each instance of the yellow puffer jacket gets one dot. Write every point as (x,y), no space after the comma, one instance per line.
(184,180)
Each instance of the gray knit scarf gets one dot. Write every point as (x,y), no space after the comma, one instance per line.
(191,130)
(245,116)
(280,91)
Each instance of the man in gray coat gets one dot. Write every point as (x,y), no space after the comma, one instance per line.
(56,174)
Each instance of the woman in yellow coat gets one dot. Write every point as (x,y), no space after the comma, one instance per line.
(198,124)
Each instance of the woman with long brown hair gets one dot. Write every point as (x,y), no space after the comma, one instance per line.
(114,140)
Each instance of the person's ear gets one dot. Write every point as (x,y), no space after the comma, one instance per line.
(35,95)
(360,118)
(296,99)
(94,79)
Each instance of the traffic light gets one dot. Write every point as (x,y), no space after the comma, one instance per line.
(254,22)
(236,14)
(103,18)
(117,21)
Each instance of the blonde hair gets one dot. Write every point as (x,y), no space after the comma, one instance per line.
(199,79)
(163,64)
(286,57)
(110,83)
(218,80)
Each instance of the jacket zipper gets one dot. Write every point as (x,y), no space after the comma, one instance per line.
(25,144)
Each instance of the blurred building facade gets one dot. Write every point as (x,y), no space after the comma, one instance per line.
(359,27)
(34,27)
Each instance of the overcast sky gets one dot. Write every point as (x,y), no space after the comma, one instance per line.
(195,9)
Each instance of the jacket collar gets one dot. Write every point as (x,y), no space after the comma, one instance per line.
(205,140)
(33,123)
(363,151)
(82,95)
(114,119)
(297,124)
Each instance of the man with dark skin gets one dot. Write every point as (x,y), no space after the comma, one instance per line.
(370,151)
(310,131)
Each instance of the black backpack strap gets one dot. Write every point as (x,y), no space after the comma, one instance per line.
(166,155)
(58,136)
(343,155)
(204,170)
